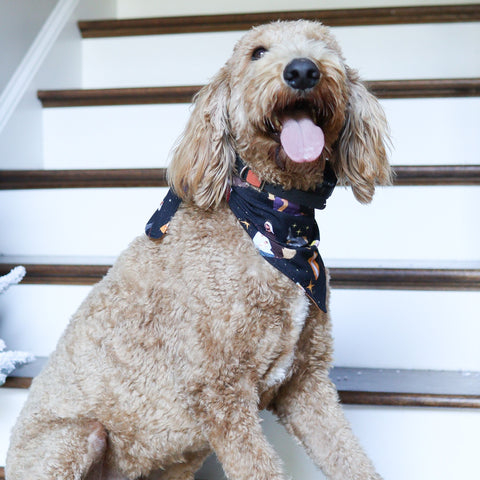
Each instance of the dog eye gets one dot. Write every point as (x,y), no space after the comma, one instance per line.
(258,53)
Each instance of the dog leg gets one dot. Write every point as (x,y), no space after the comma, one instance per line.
(232,426)
(61,449)
(312,413)
(309,407)
(182,471)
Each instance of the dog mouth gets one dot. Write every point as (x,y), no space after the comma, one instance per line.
(298,132)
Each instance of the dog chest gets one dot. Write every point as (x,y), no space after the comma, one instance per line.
(280,368)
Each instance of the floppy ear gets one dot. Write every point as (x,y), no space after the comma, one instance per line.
(203,158)
(360,157)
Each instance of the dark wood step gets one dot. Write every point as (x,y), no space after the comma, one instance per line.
(412,388)
(243,21)
(116,178)
(423,88)
(364,386)
(156,177)
(406,278)
(436,175)
(402,276)
(117,96)
(426,88)
(54,271)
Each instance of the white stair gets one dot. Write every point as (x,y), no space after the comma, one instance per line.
(407,225)
(408,51)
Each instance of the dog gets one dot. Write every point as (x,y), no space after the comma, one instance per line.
(192,332)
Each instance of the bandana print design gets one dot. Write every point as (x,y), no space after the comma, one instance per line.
(158,224)
(284,233)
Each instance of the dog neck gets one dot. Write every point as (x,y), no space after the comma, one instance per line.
(313,198)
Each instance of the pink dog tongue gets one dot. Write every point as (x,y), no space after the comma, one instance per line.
(302,140)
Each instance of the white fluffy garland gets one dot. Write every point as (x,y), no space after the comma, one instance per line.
(9,360)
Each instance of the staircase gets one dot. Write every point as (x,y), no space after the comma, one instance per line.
(405,269)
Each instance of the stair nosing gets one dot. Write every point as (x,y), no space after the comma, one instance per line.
(404,175)
(392,387)
(386,89)
(374,278)
(243,21)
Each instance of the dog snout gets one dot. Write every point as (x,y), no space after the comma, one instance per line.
(301,74)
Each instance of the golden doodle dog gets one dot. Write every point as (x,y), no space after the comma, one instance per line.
(194,331)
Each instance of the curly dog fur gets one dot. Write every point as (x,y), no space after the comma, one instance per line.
(148,380)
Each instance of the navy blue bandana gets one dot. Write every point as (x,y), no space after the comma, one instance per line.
(158,224)
(284,233)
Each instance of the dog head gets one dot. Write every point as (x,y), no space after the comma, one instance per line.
(285,102)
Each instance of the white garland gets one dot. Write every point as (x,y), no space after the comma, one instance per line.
(9,360)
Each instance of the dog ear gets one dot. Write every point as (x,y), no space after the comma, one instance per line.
(360,156)
(204,157)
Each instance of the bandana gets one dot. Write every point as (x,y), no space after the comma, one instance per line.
(284,233)
(157,226)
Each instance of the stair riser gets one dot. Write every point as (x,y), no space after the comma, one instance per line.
(112,137)
(417,333)
(430,223)
(136,136)
(151,8)
(393,52)
(11,401)
(427,438)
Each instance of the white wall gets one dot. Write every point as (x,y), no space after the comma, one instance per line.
(19,25)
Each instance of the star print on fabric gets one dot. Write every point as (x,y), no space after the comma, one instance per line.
(158,224)
(245,224)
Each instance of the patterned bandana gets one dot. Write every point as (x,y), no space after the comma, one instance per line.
(157,226)
(284,233)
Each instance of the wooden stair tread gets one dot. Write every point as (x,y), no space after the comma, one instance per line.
(455,276)
(368,386)
(80,178)
(422,88)
(156,177)
(243,21)
(117,96)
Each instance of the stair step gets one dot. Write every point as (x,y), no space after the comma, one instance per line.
(425,88)
(234,22)
(101,178)
(452,276)
(156,177)
(117,96)
(364,386)
(437,175)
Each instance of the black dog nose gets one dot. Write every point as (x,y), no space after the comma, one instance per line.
(301,73)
